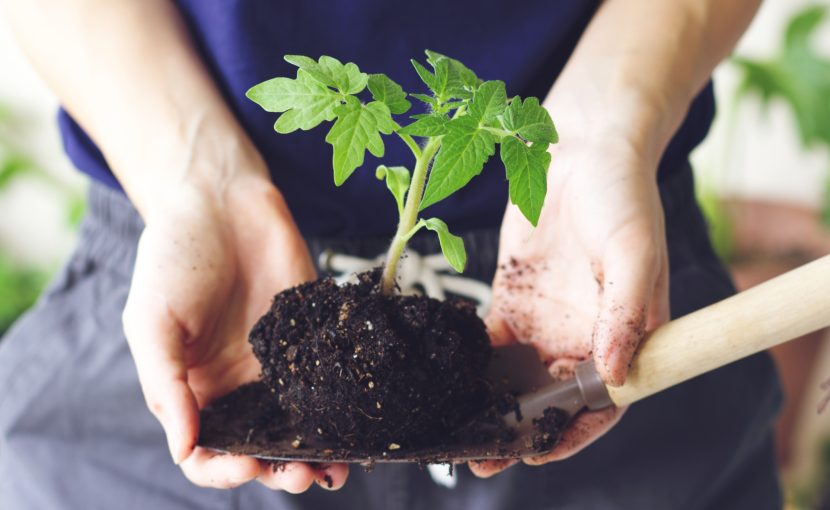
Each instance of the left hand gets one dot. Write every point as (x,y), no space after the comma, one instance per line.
(590,280)
(209,261)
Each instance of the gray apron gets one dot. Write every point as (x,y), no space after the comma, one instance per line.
(75,432)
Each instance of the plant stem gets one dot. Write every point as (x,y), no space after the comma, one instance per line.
(501,133)
(410,214)
(413,146)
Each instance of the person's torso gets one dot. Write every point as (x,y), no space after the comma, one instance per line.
(243,41)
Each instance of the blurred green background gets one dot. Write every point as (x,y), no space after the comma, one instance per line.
(21,282)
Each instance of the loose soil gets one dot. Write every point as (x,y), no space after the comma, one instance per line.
(348,371)
(353,366)
(548,429)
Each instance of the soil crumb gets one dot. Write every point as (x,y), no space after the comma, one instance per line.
(548,428)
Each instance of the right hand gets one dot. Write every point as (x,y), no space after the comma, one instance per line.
(590,280)
(209,262)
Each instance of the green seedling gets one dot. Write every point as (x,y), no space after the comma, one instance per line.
(466,118)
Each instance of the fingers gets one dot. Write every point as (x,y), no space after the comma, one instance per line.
(211,469)
(297,477)
(629,279)
(157,345)
(221,471)
(586,428)
(500,332)
(488,468)
(581,433)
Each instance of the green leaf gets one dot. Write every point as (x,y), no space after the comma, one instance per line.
(459,81)
(329,71)
(802,26)
(429,79)
(305,101)
(489,101)
(825,212)
(434,124)
(464,150)
(452,246)
(450,80)
(530,120)
(387,91)
(357,129)
(75,211)
(397,180)
(19,288)
(798,75)
(527,168)
(426,99)
(13,166)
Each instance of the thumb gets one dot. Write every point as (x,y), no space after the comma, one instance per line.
(628,284)
(500,332)
(157,341)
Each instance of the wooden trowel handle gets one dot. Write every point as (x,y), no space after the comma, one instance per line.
(781,309)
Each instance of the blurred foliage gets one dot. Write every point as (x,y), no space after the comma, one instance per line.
(816,494)
(19,289)
(800,77)
(825,214)
(717,219)
(21,284)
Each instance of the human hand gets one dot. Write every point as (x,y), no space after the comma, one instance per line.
(590,280)
(209,261)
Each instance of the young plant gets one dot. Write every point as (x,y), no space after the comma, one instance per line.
(466,118)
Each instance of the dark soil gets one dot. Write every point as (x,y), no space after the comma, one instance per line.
(352,375)
(360,370)
(548,428)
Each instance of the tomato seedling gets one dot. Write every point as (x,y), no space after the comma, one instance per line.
(466,119)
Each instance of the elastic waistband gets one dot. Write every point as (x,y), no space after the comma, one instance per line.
(110,229)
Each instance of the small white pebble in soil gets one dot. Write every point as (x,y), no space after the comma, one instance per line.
(371,385)
(293,322)
(377,404)
(317,362)
(394,446)
(282,383)
(296,443)
(369,325)
(319,431)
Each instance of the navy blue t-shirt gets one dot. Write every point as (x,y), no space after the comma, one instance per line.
(242,42)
